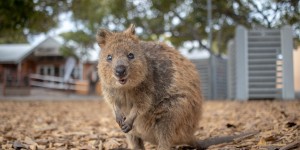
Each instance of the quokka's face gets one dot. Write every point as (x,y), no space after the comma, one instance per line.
(122,63)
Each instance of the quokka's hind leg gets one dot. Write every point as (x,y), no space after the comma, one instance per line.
(135,142)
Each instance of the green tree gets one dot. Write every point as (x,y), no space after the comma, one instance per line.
(179,21)
(77,43)
(20,19)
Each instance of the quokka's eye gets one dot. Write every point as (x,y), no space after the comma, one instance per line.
(109,58)
(130,56)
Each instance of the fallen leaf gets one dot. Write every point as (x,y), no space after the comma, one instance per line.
(93,137)
(59,144)
(47,128)
(19,145)
(29,141)
(41,147)
(262,142)
(87,147)
(42,141)
(228,125)
(100,146)
(33,147)
(290,124)
(92,143)
(111,144)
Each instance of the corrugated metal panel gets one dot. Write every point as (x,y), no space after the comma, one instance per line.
(221,77)
(202,66)
(263,48)
(260,64)
(213,86)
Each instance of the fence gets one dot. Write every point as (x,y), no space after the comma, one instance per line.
(213,76)
(57,83)
(21,85)
(13,84)
(261,64)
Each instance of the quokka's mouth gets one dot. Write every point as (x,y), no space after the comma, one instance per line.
(122,81)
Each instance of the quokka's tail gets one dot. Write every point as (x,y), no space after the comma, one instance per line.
(204,144)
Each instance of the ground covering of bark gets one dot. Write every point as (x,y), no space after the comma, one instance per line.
(90,125)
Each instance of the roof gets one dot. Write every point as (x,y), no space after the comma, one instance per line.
(14,53)
(48,47)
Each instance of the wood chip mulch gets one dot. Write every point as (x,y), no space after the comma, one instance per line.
(79,125)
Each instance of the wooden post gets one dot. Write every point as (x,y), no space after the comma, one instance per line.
(19,73)
(4,82)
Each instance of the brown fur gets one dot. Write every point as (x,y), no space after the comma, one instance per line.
(161,101)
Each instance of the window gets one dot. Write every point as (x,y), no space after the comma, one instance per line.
(46,70)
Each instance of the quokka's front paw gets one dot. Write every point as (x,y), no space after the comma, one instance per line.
(126,127)
(120,120)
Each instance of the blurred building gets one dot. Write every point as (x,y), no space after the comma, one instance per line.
(42,65)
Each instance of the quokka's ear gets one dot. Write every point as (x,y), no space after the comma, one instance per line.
(130,30)
(102,35)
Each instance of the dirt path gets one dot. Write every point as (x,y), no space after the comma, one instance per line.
(90,124)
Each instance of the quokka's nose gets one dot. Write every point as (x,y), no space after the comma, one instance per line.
(120,71)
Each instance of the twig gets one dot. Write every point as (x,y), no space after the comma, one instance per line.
(291,146)
(271,147)
(246,135)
